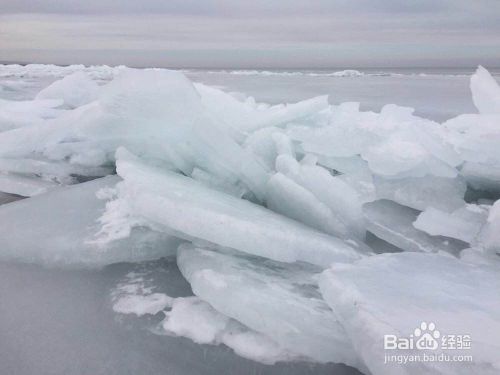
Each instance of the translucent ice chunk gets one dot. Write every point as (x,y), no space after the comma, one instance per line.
(24,186)
(57,229)
(463,224)
(279,300)
(181,204)
(16,114)
(309,193)
(490,233)
(398,157)
(75,90)
(394,224)
(485,92)
(396,294)
(246,118)
(446,194)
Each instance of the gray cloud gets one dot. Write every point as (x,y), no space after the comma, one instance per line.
(279,33)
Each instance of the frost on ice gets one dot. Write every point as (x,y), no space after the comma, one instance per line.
(255,202)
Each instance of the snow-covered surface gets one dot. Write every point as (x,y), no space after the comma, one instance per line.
(277,215)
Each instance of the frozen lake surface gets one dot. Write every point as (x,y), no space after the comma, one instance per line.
(61,322)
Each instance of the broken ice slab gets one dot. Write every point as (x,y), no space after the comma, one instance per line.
(463,224)
(443,193)
(158,290)
(394,223)
(157,114)
(75,90)
(277,299)
(29,177)
(394,294)
(489,237)
(484,177)
(57,229)
(485,91)
(180,204)
(24,185)
(246,117)
(16,114)
(310,194)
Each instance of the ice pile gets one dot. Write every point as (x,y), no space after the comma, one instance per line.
(281,211)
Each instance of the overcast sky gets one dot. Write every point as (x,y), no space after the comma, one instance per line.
(253,33)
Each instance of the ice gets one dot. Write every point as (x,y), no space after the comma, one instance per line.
(446,194)
(485,177)
(489,237)
(464,223)
(245,117)
(191,317)
(75,90)
(29,177)
(263,197)
(103,72)
(394,224)
(261,144)
(23,185)
(400,157)
(485,92)
(58,228)
(155,194)
(158,114)
(17,114)
(392,294)
(61,322)
(276,299)
(309,193)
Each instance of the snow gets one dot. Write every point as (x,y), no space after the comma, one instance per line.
(306,230)
(195,319)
